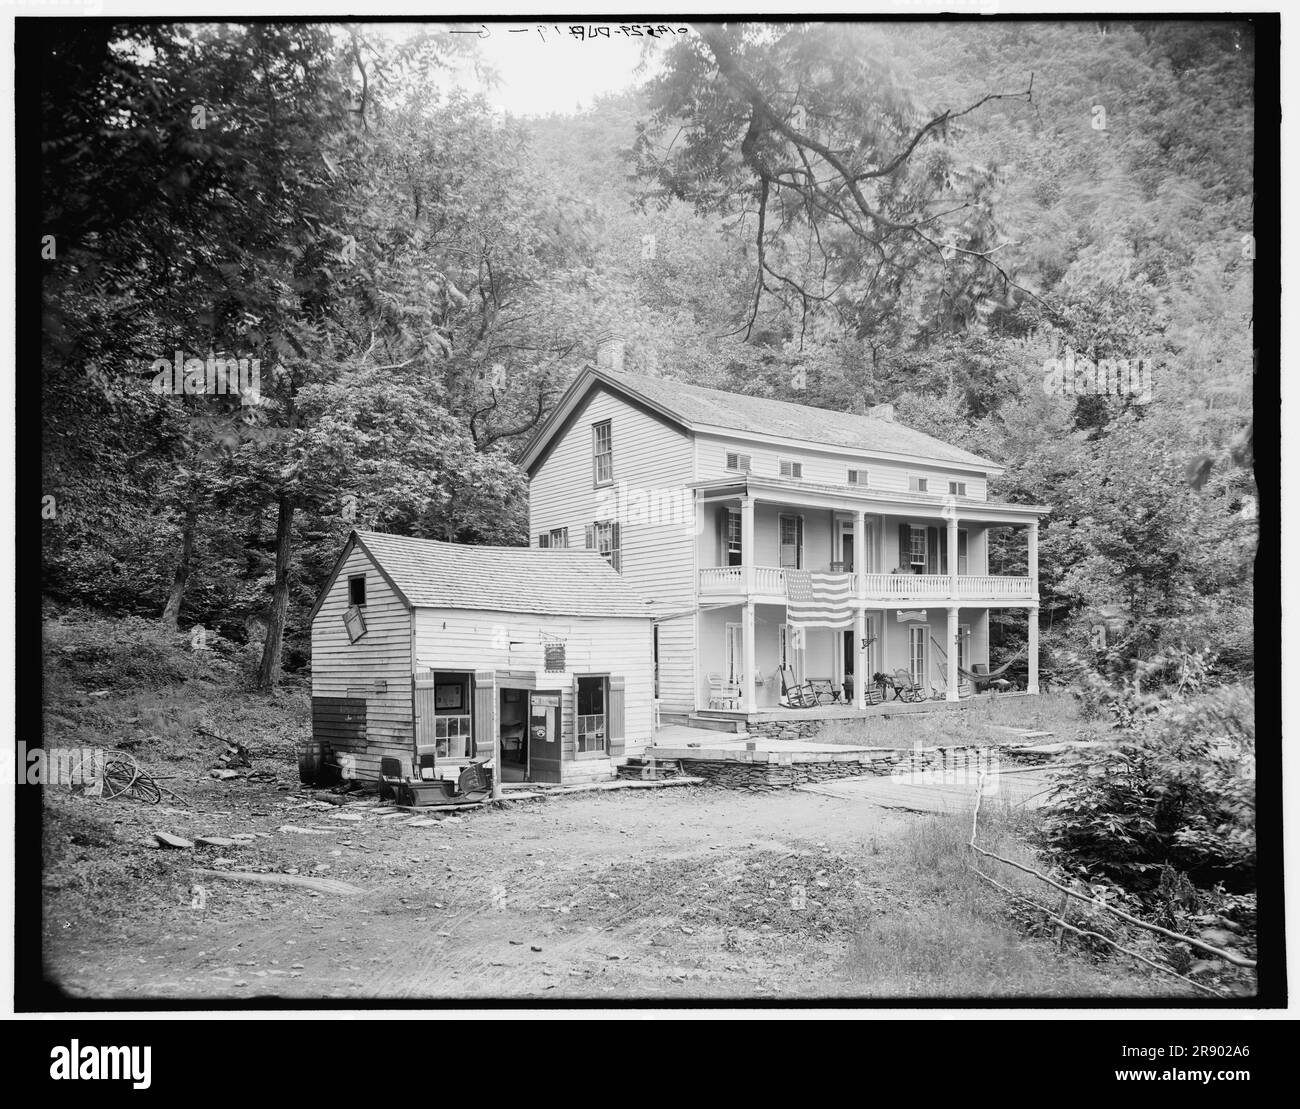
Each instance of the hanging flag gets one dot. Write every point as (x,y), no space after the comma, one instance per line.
(819,600)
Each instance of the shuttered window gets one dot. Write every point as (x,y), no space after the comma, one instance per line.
(857,477)
(917,484)
(957,488)
(791,469)
(603,536)
(738,461)
(729,522)
(559,537)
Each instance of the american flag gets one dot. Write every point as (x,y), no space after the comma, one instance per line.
(819,600)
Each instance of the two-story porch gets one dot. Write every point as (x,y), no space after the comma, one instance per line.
(900,582)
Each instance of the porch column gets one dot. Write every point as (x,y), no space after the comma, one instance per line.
(953,632)
(952,554)
(1033,612)
(1033,650)
(1033,560)
(860,675)
(747,543)
(747,634)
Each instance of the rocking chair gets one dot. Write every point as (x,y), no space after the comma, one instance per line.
(794,695)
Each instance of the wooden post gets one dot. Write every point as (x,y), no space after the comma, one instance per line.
(860,675)
(1033,650)
(953,632)
(747,634)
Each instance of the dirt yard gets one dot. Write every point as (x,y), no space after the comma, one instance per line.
(670,894)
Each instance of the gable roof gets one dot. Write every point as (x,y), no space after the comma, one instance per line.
(699,409)
(426,573)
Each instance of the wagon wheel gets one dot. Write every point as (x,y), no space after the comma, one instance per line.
(123,778)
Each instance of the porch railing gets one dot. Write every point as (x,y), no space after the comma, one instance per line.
(770,580)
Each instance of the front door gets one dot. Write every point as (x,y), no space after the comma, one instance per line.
(544,746)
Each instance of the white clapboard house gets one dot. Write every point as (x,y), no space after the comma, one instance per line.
(425,646)
(775,538)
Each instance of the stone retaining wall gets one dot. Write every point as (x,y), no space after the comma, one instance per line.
(770,770)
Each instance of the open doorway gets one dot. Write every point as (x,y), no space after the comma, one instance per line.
(512,719)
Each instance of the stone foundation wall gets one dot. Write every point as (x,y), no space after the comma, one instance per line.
(785,729)
(770,770)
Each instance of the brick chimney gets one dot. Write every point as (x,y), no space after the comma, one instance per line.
(609,352)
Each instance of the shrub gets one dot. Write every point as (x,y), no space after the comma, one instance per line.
(1179,794)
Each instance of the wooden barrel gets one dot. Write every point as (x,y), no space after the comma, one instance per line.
(311,762)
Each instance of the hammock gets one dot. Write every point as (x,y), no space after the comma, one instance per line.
(992,675)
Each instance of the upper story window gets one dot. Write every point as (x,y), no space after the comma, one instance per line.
(556,537)
(357,590)
(791,542)
(603,536)
(957,488)
(602,452)
(918,484)
(916,546)
(791,469)
(738,461)
(857,477)
(732,554)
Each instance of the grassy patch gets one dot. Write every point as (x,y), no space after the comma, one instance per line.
(1058,713)
(962,939)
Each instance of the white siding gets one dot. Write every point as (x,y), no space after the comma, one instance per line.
(454,639)
(832,467)
(340,668)
(649,499)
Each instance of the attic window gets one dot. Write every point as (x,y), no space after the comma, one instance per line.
(357,590)
(957,488)
(738,461)
(917,484)
(791,469)
(857,477)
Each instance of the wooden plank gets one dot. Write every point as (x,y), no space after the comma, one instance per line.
(320,885)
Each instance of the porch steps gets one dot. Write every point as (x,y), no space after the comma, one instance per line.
(650,768)
(717,721)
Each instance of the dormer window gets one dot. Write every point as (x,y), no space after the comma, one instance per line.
(791,469)
(738,461)
(917,484)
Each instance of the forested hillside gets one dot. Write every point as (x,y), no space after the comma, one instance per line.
(841,216)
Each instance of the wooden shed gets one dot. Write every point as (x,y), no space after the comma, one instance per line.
(442,646)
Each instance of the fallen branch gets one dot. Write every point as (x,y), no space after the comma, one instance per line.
(1227,956)
(320,885)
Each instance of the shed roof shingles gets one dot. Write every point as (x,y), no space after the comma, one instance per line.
(714,408)
(503,579)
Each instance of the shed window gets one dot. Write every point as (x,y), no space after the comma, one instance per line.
(592,718)
(357,590)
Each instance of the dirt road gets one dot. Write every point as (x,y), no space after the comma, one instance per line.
(681,893)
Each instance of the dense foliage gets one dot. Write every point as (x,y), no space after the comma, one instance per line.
(836,215)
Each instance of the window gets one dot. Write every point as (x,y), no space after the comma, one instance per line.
(737,461)
(592,720)
(453,737)
(957,488)
(917,539)
(602,451)
(735,654)
(962,546)
(791,542)
(917,637)
(917,484)
(857,477)
(544,540)
(559,537)
(732,555)
(963,648)
(789,649)
(791,469)
(357,590)
(603,536)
